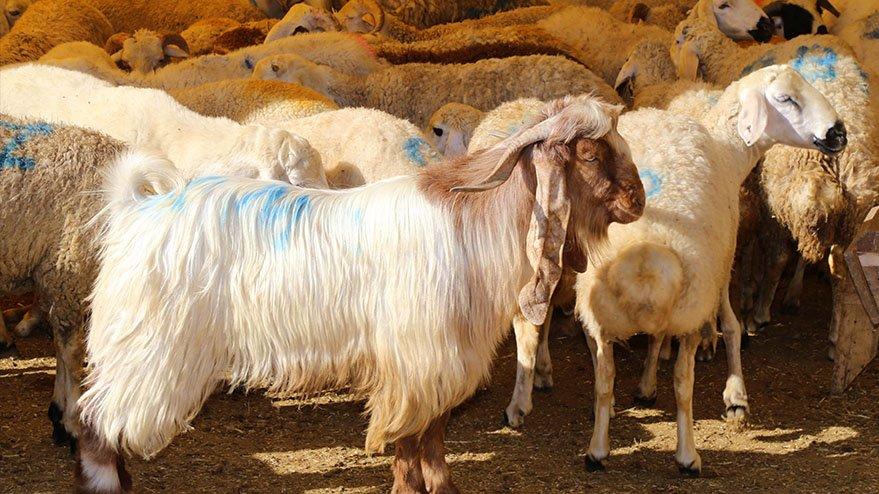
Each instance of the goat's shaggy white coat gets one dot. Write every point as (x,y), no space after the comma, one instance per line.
(152,119)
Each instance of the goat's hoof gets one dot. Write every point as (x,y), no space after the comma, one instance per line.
(644,401)
(704,354)
(514,422)
(593,465)
(689,470)
(60,436)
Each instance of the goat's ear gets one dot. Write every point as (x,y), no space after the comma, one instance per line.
(546,236)
(687,62)
(753,116)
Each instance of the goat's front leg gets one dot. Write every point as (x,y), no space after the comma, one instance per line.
(528,341)
(735,397)
(645,395)
(99,469)
(543,367)
(434,468)
(689,462)
(408,478)
(599,445)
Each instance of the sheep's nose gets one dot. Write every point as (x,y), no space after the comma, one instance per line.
(764,31)
(834,141)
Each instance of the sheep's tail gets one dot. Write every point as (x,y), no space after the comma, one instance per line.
(138,175)
(645,282)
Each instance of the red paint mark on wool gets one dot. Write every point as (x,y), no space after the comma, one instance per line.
(366,46)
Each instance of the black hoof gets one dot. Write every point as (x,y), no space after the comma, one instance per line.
(746,340)
(732,411)
(645,401)
(73,444)
(60,436)
(505,421)
(689,471)
(593,465)
(543,389)
(6,346)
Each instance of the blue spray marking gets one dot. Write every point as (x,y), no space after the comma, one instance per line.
(358,216)
(765,61)
(413,149)
(652,183)
(817,63)
(21,134)
(177,200)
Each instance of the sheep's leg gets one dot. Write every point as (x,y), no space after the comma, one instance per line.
(434,468)
(99,469)
(408,478)
(735,397)
(68,374)
(6,340)
(527,341)
(791,303)
(543,367)
(599,446)
(645,396)
(689,462)
(761,316)
(747,278)
(708,343)
(665,349)
(29,322)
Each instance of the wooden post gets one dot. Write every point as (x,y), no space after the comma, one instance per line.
(855,320)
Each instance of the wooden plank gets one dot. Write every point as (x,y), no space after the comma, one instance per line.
(853,328)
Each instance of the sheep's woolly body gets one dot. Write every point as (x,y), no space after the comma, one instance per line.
(862,34)
(818,213)
(172,15)
(662,13)
(81,56)
(253,101)
(426,13)
(201,35)
(48,23)
(592,30)
(49,249)
(411,360)
(195,143)
(504,121)
(415,91)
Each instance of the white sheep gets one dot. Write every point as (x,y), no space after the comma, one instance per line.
(463,243)
(666,274)
(415,91)
(145,50)
(57,95)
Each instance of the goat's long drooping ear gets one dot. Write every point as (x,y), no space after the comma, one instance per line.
(114,43)
(753,116)
(546,236)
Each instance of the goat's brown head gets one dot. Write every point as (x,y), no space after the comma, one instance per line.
(583,179)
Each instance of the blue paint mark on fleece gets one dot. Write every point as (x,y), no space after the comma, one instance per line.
(413,147)
(652,183)
(22,134)
(817,63)
(764,61)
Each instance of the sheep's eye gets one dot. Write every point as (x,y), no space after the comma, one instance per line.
(724,6)
(275,67)
(438,131)
(14,13)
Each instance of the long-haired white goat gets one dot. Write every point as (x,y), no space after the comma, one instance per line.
(401,289)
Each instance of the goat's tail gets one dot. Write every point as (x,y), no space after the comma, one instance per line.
(645,282)
(139,174)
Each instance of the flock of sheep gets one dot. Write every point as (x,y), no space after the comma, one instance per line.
(304,195)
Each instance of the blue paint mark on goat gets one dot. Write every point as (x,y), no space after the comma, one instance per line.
(21,134)
(817,63)
(652,182)
(764,61)
(413,147)
(277,211)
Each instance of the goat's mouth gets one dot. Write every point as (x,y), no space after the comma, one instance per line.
(626,213)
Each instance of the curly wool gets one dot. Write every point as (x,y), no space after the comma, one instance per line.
(172,15)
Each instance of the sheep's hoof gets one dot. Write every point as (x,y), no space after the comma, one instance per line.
(644,401)
(6,346)
(705,354)
(593,465)
(736,416)
(543,388)
(689,470)
(746,340)
(60,436)
(515,423)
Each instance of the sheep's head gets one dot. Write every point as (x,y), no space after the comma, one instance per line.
(793,18)
(361,16)
(779,105)
(583,178)
(277,8)
(13,9)
(451,127)
(294,69)
(303,18)
(145,50)
(738,19)
(648,63)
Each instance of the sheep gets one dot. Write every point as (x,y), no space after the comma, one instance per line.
(10,11)
(402,90)
(823,203)
(48,23)
(431,12)
(794,18)
(859,27)
(502,121)
(495,239)
(251,101)
(209,144)
(662,13)
(169,15)
(451,127)
(201,35)
(145,50)
(303,18)
(666,274)
(744,21)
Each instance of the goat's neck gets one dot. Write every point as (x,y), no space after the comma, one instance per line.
(722,122)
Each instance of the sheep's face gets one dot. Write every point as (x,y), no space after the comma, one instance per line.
(738,19)
(448,140)
(293,69)
(793,18)
(776,102)
(145,50)
(361,16)
(14,9)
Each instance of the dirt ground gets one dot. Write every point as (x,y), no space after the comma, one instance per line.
(800,438)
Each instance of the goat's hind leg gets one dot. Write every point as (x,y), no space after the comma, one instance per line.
(435,470)
(528,341)
(408,478)
(99,469)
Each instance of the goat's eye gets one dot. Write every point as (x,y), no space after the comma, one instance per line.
(438,131)
(591,158)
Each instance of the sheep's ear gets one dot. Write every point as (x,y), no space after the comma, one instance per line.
(114,43)
(753,116)
(547,234)
(174,45)
(175,51)
(706,12)
(625,83)
(639,13)
(687,62)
